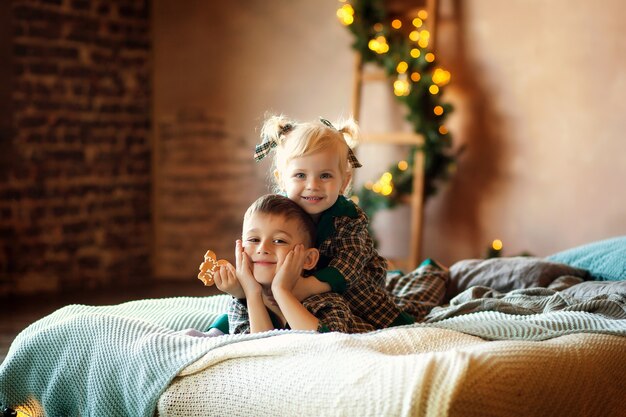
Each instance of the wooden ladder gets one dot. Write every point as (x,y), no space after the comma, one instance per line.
(400,138)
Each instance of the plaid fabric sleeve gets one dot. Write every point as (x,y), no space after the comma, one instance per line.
(421,290)
(238,319)
(334,314)
(351,250)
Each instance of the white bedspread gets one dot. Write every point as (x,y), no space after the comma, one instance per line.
(407,371)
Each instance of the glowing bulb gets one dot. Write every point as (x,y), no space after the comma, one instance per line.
(401,87)
(496,244)
(415,53)
(377,188)
(425,34)
(414,35)
(417,22)
(443,130)
(386,178)
(378,27)
(422,14)
(396,24)
(402,67)
(433,89)
(438,110)
(378,45)
(441,77)
(430,57)
(403,165)
(387,189)
(423,43)
(346,14)
(415,76)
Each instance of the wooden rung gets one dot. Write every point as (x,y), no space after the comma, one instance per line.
(396,138)
(374,76)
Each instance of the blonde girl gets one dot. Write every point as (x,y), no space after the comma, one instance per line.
(313,164)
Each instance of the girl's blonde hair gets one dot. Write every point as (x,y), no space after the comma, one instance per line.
(297,139)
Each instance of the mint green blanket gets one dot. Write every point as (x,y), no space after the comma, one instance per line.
(118,360)
(109,360)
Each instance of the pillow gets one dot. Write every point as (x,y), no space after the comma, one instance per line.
(605,260)
(590,289)
(507,274)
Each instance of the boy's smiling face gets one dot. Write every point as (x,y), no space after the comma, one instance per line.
(267,239)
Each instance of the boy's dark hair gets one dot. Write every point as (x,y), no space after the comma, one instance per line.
(276,204)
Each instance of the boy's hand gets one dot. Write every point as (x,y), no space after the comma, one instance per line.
(225,278)
(288,273)
(244,272)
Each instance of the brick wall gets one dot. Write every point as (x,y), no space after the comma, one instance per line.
(75,177)
(204,181)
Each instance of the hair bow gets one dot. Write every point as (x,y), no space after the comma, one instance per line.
(262,150)
(354,163)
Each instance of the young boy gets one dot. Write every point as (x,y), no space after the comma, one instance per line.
(277,244)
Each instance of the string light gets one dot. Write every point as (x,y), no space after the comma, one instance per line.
(346,14)
(379,45)
(441,77)
(401,87)
(384,185)
(406,44)
(497,244)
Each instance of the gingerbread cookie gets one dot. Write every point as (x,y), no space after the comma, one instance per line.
(209,266)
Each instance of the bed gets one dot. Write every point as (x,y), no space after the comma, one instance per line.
(516,337)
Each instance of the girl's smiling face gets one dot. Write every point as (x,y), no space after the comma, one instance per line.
(314,181)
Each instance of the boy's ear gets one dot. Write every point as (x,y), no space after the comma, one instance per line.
(311,256)
(278,179)
(346,181)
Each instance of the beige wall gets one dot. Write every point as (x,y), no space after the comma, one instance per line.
(539,89)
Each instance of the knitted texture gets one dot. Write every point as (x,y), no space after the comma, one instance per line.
(405,371)
(118,360)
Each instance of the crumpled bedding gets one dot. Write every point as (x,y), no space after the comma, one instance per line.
(507,274)
(121,360)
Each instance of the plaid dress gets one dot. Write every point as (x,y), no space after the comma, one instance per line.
(330,308)
(350,264)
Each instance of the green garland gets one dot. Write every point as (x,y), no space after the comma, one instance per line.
(368,20)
